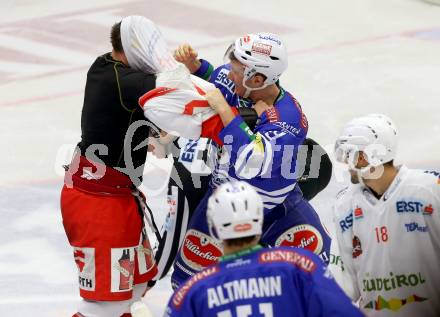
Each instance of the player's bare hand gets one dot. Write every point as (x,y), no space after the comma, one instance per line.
(216,100)
(186,55)
(261,106)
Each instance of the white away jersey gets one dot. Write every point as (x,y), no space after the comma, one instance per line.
(391,246)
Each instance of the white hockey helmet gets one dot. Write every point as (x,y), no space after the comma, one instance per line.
(374,134)
(262,53)
(235,210)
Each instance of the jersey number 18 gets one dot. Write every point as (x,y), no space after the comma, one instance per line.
(381,234)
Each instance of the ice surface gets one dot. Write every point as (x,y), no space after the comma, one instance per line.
(346,58)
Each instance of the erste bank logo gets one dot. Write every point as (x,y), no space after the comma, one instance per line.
(413,206)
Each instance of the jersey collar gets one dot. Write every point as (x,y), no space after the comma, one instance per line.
(241,253)
(280,95)
(396,182)
(403,170)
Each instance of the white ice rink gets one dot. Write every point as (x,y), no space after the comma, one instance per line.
(346,58)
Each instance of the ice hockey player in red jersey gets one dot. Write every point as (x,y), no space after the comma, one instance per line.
(100,204)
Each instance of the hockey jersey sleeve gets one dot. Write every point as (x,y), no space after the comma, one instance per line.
(178,106)
(324,296)
(256,154)
(343,218)
(433,184)
(189,300)
(205,70)
(181,303)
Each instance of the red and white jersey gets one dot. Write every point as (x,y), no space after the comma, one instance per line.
(391,246)
(178,108)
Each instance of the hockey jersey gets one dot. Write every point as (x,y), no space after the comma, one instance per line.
(264,157)
(194,155)
(262,282)
(177,104)
(391,246)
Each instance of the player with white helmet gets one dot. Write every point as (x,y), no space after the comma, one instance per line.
(374,135)
(264,58)
(262,153)
(235,211)
(387,223)
(261,53)
(251,280)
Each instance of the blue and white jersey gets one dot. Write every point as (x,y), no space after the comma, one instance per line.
(266,156)
(262,282)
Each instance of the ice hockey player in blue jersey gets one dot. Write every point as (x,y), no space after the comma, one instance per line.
(251,280)
(264,156)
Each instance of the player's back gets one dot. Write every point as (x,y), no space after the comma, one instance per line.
(263,282)
(110,107)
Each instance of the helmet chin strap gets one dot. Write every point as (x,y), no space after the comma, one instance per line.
(247,92)
(365,172)
(249,89)
(362,173)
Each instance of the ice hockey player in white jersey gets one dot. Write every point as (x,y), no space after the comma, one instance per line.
(388,224)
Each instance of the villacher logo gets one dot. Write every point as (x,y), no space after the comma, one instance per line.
(302,236)
(200,250)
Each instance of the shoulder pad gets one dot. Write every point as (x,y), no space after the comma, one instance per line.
(435,174)
(300,258)
(341,193)
(342,206)
(181,293)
